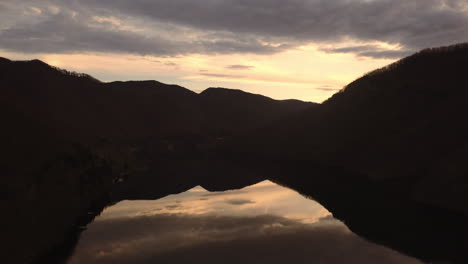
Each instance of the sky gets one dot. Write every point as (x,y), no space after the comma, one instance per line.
(265,197)
(302,49)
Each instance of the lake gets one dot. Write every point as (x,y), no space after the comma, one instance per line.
(262,223)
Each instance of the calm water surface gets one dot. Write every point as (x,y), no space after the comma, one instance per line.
(262,223)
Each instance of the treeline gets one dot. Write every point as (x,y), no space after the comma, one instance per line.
(443,51)
(418,59)
(74,74)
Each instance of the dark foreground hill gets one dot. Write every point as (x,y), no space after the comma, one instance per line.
(404,122)
(403,129)
(67,139)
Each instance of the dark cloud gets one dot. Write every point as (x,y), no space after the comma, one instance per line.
(352,49)
(327,88)
(239,201)
(239,67)
(414,24)
(60,33)
(219,75)
(225,239)
(385,54)
(229,26)
(370,51)
(217,193)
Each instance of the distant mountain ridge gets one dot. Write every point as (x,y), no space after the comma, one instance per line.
(151,106)
(234,110)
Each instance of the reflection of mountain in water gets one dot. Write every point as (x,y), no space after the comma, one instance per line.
(263,223)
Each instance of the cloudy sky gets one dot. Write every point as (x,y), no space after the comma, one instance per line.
(305,49)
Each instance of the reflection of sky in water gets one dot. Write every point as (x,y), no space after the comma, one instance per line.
(262,223)
(262,198)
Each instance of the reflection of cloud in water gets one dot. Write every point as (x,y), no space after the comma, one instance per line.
(262,198)
(172,238)
(234,192)
(239,201)
(172,206)
(263,223)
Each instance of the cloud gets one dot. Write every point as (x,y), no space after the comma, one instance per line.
(373,51)
(232,192)
(239,201)
(352,49)
(414,24)
(220,75)
(226,239)
(327,88)
(173,206)
(239,67)
(175,27)
(172,64)
(62,33)
(385,54)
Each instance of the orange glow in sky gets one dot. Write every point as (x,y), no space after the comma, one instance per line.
(303,73)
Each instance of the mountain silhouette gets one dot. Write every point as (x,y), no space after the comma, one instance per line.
(68,138)
(398,137)
(236,111)
(386,154)
(403,122)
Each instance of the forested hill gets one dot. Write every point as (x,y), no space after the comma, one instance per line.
(404,123)
(67,138)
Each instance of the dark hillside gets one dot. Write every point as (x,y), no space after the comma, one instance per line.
(402,128)
(402,121)
(235,111)
(69,141)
